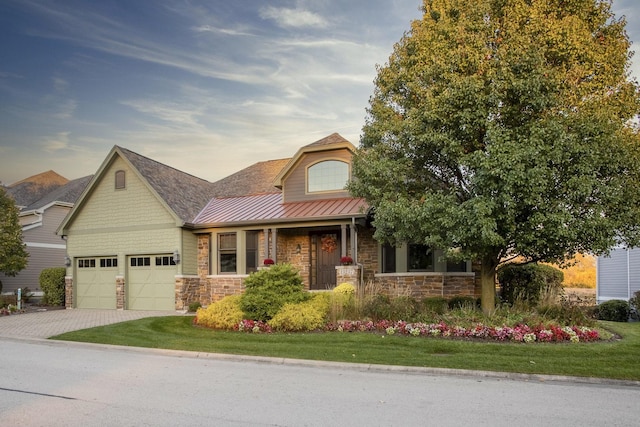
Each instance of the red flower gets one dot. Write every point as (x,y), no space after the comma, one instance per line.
(346,260)
(268,261)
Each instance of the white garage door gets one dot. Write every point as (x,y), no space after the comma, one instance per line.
(151,282)
(96,282)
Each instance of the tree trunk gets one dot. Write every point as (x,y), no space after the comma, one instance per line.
(488,284)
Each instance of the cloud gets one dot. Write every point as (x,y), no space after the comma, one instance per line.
(293,18)
(57,142)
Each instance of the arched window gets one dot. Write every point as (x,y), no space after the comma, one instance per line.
(120,182)
(328,175)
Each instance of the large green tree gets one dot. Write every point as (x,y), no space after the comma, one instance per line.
(13,255)
(504,129)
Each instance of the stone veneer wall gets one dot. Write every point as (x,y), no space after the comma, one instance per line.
(68,291)
(214,288)
(120,293)
(421,285)
(348,274)
(367,253)
(187,291)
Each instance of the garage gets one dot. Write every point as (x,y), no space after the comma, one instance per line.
(96,282)
(151,282)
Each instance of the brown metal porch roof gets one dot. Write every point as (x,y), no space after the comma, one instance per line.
(269,207)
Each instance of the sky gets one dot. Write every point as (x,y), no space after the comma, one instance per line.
(206,86)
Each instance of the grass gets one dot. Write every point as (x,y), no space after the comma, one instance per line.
(615,359)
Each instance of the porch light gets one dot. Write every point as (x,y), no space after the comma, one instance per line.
(298,249)
(67,261)
(176,256)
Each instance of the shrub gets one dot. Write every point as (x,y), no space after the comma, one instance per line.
(566,314)
(194,306)
(462,302)
(526,283)
(268,290)
(304,316)
(435,305)
(377,307)
(614,310)
(404,308)
(52,285)
(223,314)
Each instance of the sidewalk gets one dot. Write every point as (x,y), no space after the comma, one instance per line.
(45,324)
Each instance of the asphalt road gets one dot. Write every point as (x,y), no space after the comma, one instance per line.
(48,383)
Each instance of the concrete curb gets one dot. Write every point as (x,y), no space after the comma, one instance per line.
(364,367)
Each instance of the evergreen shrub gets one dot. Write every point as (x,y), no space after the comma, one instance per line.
(223,314)
(52,285)
(614,310)
(269,289)
(526,283)
(303,316)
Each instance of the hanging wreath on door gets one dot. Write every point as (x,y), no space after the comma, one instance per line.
(328,243)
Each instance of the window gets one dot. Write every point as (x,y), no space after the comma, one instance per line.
(87,263)
(165,260)
(388,259)
(227,255)
(108,262)
(140,261)
(120,182)
(420,258)
(252,252)
(329,175)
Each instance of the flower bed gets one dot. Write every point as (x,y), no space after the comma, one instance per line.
(519,333)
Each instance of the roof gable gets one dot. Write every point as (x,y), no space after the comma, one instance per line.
(183,193)
(332,142)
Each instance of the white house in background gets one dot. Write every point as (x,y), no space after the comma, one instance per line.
(618,274)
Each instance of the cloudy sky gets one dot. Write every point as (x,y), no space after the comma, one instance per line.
(206,86)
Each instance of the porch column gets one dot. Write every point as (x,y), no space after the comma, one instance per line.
(343,240)
(274,238)
(353,242)
(266,243)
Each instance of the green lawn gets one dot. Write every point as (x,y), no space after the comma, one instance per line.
(617,359)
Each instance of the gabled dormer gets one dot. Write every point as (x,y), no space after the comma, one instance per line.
(318,171)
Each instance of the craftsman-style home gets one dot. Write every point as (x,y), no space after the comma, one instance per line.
(146,236)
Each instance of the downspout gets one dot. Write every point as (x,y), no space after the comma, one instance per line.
(628,276)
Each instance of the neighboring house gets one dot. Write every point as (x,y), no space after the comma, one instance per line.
(44,200)
(146,236)
(618,274)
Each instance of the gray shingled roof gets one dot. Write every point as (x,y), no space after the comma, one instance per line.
(67,193)
(185,194)
(255,179)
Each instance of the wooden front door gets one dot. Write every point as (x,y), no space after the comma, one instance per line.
(326,254)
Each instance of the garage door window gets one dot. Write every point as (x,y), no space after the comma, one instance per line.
(108,262)
(144,261)
(164,260)
(87,263)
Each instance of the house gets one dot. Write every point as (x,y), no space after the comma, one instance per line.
(43,200)
(618,274)
(146,236)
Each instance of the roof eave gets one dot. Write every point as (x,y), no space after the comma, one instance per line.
(267,222)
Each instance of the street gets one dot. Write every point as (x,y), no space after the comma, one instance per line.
(48,383)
